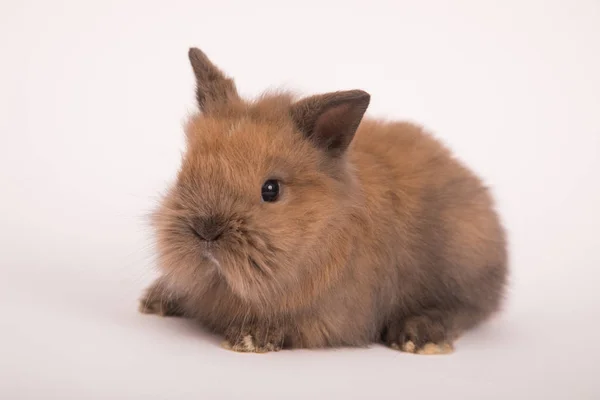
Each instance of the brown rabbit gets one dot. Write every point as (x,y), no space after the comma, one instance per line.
(294,224)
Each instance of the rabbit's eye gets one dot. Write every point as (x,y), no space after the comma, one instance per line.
(270,190)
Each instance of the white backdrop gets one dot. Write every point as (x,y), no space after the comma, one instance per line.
(92,98)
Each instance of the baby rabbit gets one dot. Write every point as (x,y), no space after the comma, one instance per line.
(299,224)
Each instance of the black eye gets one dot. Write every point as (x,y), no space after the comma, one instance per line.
(270,190)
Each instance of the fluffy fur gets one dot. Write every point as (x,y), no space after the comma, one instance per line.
(379,233)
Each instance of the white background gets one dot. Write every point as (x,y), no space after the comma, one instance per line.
(92,99)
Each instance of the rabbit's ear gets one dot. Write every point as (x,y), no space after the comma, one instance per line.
(213,88)
(330,120)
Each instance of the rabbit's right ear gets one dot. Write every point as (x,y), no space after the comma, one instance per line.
(330,120)
(213,88)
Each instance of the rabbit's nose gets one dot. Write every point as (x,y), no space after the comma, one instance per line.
(208,228)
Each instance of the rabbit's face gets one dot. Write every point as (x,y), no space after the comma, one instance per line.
(260,189)
(250,203)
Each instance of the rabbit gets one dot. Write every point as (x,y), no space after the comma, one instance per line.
(298,223)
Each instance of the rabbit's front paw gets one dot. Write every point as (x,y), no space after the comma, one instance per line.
(255,338)
(160,300)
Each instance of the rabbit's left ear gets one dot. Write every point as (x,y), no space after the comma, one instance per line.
(213,88)
(330,120)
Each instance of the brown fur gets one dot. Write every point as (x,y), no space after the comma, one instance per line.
(379,234)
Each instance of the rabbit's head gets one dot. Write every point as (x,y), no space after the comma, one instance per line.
(265,195)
